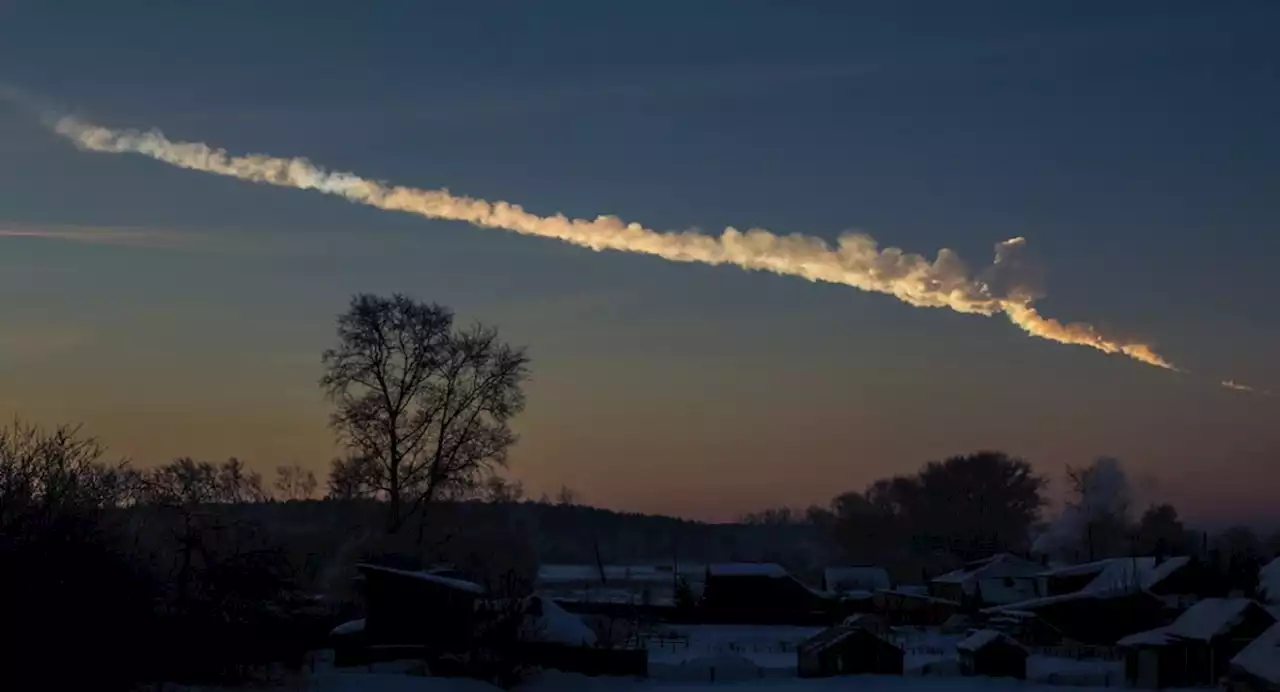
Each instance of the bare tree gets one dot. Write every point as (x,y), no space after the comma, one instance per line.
(567,496)
(425,403)
(499,490)
(352,477)
(295,483)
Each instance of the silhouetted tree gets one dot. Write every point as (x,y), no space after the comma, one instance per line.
(979,504)
(968,506)
(352,478)
(1240,556)
(499,490)
(1160,532)
(428,405)
(67,582)
(295,483)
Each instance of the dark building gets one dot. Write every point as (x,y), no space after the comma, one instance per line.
(418,608)
(1257,667)
(848,650)
(911,608)
(1197,648)
(1120,596)
(761,593)
(993,654)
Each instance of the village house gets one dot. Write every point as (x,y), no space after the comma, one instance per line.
(901,607)
(1257,667)
(993,654)
(866,579)
(408,614)
(849,649)
(761,593)
(1196,648)
(998,580)
(1119,596)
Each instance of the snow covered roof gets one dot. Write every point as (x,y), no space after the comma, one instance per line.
(550,574)
(996,566)
(449,582)
(350,627)
(748,569)
(1201,622)
(983,638)
(862,578)
(1269,582)
(1120,576)
(1261,658)
(550,623)
(1127,574)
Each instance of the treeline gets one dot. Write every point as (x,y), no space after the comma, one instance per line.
(972,506)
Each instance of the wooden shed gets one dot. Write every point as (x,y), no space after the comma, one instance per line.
(993,654)
(848,650)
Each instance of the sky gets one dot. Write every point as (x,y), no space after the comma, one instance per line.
(177,313)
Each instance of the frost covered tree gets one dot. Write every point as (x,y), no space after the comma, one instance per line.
(1095,523)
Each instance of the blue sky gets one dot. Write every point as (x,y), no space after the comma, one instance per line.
(1133,144)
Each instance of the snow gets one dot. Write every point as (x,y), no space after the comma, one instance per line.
(458,584)
(1262,657)
(996,566)
(557,625)
(979,639)
(748,569)
(1120,576)
(862,579)
(661,574)
(1202,622)
(554,681)
(352,627)
(1269,582)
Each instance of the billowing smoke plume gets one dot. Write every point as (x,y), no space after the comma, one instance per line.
(856,260)
(1103,499)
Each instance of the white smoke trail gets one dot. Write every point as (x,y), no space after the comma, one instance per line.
(855,261)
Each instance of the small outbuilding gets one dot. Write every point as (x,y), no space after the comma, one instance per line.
(993,654)
(848,650)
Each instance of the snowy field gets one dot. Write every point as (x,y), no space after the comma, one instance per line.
(558,682)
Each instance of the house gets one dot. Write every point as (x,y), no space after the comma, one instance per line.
(761,593)
(1269,583)
(848,650)
(993,654)
(1196,648)
(552,637)
(865,579)
(404,607)
(1119,597)
(1257,667)
(998,580)
(913,608)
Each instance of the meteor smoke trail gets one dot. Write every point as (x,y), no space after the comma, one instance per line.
(855,261)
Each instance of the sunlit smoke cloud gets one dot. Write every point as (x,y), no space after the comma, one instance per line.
(856,259)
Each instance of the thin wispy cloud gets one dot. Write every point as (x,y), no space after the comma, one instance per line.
(176,240)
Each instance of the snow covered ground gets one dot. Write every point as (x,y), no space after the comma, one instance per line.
(559,682)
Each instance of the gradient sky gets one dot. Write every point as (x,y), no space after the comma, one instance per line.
(1134,144)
